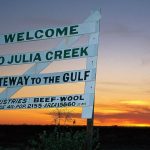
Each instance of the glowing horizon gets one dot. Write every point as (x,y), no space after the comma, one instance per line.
(122,86)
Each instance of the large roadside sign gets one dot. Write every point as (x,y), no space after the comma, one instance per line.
(43,58)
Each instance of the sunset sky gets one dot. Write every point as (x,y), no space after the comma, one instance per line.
(123,74)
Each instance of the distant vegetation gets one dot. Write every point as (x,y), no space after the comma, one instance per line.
(62,138)
(72,138)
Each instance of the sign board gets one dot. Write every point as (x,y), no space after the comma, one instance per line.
(46,33)
(48,56)
(47,102)
(48,78)
(43,58)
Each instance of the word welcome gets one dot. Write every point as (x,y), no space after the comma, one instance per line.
(41,34)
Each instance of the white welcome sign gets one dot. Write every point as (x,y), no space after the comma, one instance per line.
(42,59)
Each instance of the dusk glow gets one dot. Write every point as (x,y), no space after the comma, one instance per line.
(122,86)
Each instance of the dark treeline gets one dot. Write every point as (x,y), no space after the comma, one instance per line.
(110,138)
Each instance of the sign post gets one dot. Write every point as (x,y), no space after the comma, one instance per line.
(94,38)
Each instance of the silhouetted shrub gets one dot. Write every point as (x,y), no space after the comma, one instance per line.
(58,140)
